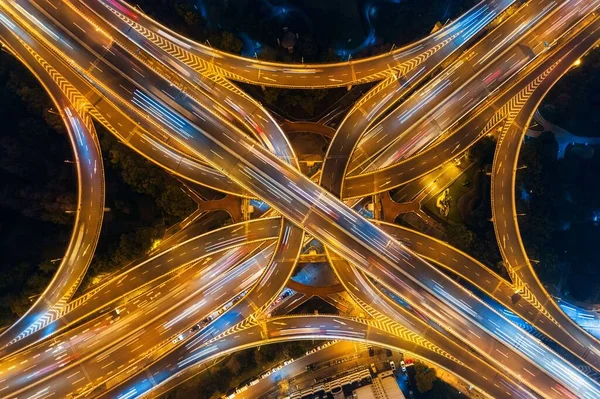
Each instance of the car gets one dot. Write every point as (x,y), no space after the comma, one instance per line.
(371,352)
(392,365)
(402,366)
(195,328)
(388,352)
(373,368)
(178,338)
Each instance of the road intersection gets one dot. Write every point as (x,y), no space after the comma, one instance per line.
(171,100)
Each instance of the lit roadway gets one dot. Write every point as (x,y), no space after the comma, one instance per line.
(481,69)
(565,332)
(490,284)
(409,70)
(504,206)
(157,268)
(69,365)
(378,100)
(339,228)
(306,75)
(194,124)
(89,209)
(423,119)
(288,328)
(143,137)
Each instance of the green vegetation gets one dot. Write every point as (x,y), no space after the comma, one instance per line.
(430,386)
(425,376)
(290,100)
(573,103)
(143,200)
(146,178)
(442,390)
(37,188)
(471,229)
(325,28)
(558,200)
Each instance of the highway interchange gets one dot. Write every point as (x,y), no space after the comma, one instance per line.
(173,101)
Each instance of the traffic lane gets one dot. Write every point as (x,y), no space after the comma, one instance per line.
(428,185)
(475,75)
(168,261)
(253,156)
(278,273)
(151,322)
(245,277)
(478,275)
(293,75)
(492,352)
(142,275)
(444,149)
(155,149)
(293,370)
(507,230)
(469,330)
(368,109)
(266,289)
(461,264)
(171,157)
(248,112)
(90,202)
(262,295)
(108,328)
(379,99)
(411,112)
(270,283)
(420,330)
(256,301)
(302,327)
(258,180)
(116,60)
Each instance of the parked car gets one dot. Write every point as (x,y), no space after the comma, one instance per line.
(373,368)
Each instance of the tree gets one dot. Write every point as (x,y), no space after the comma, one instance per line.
(443,390)
(175,202)
(425,377)
(294,349)
(483,150)
(265,354)
(231,43)
(219,382)
(271,95)
(460,236)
